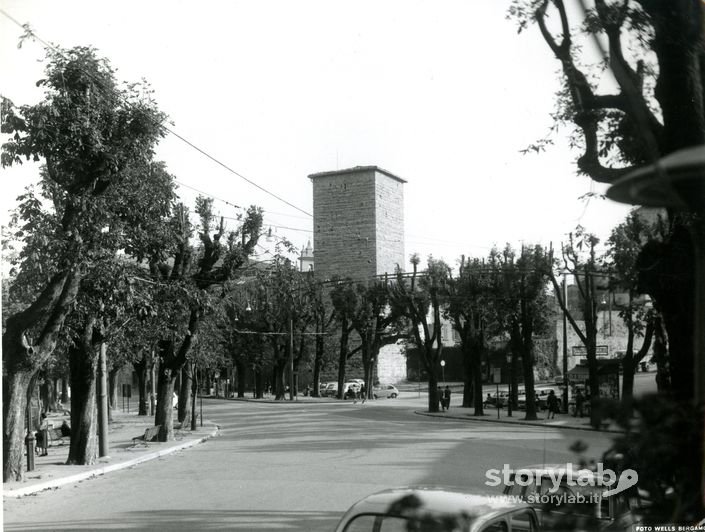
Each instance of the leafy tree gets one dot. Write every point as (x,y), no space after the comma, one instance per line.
(471,310)
(522,306)
(363,308)
(281,311)
(216,262)
(345,302)
(375,324)
(655,54)
(579,259)
(87,131)
(414,298)
(323,316)
(625,243)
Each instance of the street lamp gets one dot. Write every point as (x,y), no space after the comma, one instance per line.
(443,373)
(509,395)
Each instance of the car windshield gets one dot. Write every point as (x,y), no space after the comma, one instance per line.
(427,522)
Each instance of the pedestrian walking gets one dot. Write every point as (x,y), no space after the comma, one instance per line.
(552,403)
(42,436)
(446,398)
(579,402)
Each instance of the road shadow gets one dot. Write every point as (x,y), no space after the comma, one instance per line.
(196,520)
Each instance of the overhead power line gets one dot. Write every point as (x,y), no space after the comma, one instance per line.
(29,31)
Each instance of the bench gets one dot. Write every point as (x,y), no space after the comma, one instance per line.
(149,435)
(55,435)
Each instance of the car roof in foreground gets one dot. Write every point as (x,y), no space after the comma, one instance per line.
(434,500)
(569,473)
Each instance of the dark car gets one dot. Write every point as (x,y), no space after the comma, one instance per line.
(437,510)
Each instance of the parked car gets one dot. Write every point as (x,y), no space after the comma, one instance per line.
(385,390)
(561,509)
(437,510)
(331,389)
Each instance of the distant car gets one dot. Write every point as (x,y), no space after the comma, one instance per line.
(331,389)
(437,510)
(560,509)
(385,390)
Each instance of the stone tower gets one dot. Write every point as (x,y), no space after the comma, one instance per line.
(358,223)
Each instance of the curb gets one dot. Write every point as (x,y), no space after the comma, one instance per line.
(526,423)
(85,475)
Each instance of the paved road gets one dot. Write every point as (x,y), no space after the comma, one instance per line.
(293,467)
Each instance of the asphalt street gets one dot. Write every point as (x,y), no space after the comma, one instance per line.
(294,466)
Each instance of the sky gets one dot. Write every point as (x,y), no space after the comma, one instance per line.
(443,94)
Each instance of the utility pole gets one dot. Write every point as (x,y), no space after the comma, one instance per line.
(291,359)
(102,402)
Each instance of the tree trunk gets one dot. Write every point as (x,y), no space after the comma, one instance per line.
(112,377)
(525,343)
(468,384)
(279,386)
(527,362)
(14,415)
(434,394)
(142,370)
(258,377)
(241,375)
(83,361)
(317,362)
(64,390)
(342,356)
(628,370)
(170,362)
(477,388)
(164,411)
(185,395)
(21,360)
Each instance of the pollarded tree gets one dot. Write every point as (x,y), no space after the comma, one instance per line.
(522,306)
(217,261)
(375,324)
(654,53)
(344,299)
(472,312)
(579,259)
(87,131)
(323,315)
(414,298)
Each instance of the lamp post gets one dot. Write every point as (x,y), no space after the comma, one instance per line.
(443,373)
(509,387)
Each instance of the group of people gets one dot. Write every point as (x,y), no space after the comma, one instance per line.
(42,438)
(444,398)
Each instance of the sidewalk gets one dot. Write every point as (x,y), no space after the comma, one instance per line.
(50,471)
(561,421)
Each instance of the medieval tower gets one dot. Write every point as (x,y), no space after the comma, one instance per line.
(358,233)
(358,223)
